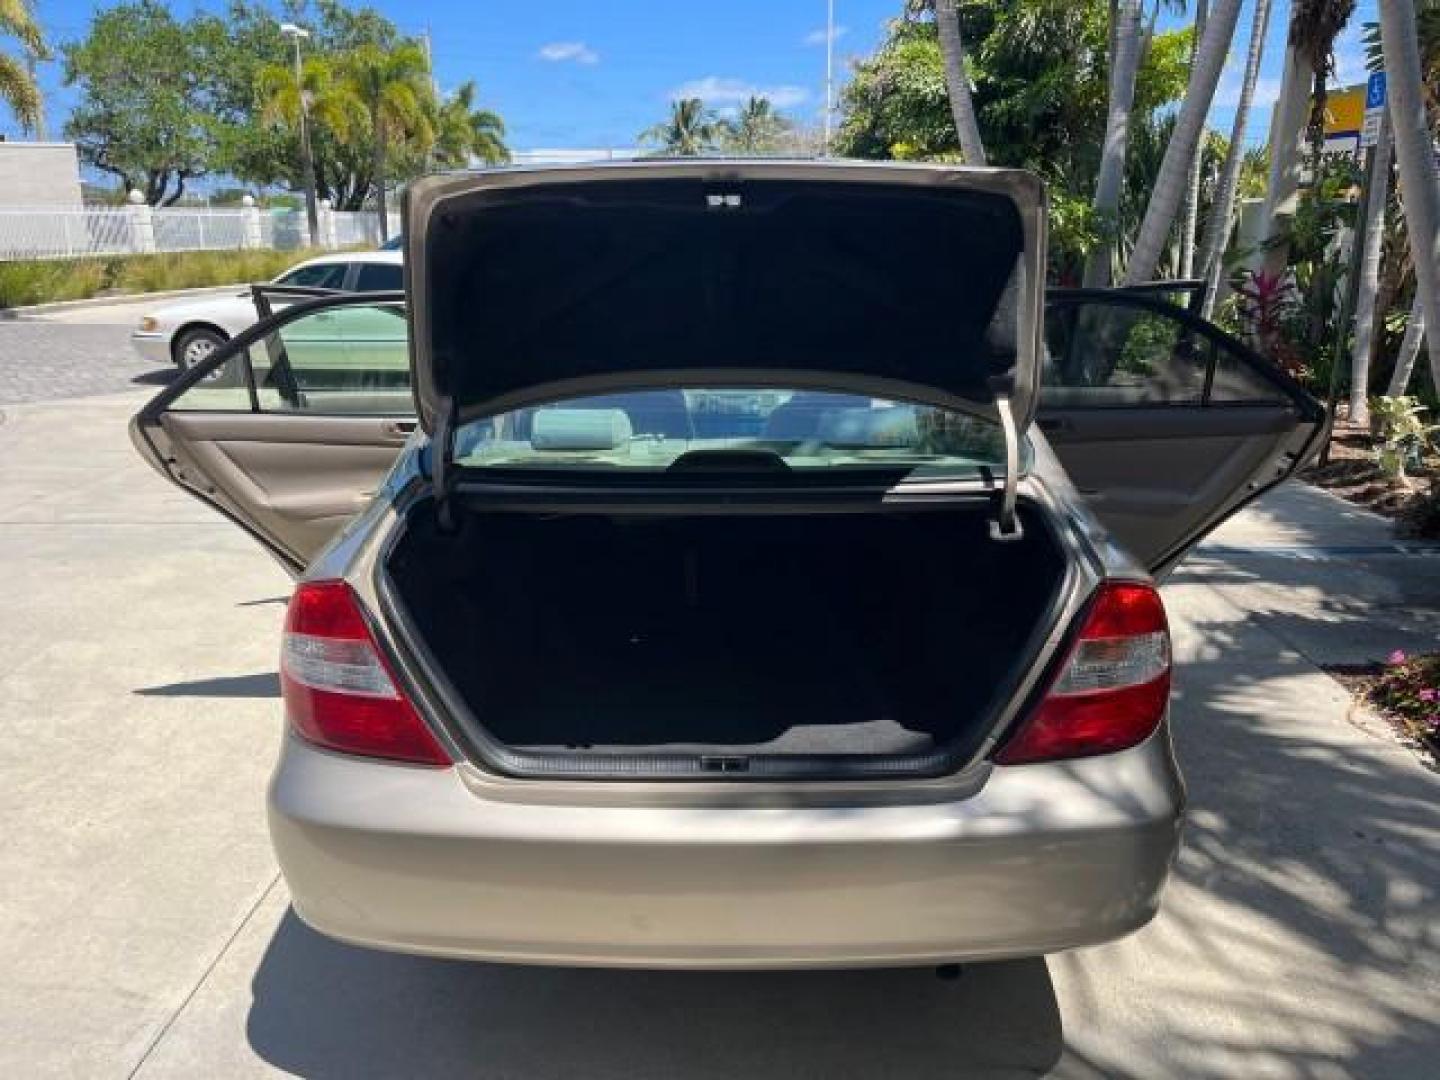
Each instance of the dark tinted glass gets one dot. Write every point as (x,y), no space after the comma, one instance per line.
(380,277)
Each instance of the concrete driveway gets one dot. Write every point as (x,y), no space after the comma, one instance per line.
(146,932)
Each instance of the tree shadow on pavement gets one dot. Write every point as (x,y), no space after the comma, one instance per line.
(1300,935)
(324,1009)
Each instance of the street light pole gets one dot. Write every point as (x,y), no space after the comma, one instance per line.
(312,213)
(829,74)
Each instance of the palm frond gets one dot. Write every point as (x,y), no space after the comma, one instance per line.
(18,90)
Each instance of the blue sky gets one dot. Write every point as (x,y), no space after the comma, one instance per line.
(571,74)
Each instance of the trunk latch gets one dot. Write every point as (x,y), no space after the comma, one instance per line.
(725,763)
(1004,525)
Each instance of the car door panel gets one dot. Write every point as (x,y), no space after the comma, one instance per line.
(1164,423)
(291,465)
(296,479)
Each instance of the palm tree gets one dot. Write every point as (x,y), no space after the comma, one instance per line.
(327,99)
(1368,287)
(17,76)
(1190,217)
(689,130)
(1314,26)
(393,87)
(1415,153)
(1309,59)
(463,132)
(1126,30)
(1169,189)
(957,82)
(1409,349)
(755,129)
(1222,208)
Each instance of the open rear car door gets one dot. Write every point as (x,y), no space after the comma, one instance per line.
(291,426)
(1165,423)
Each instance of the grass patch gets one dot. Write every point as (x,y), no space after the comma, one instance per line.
(43,281)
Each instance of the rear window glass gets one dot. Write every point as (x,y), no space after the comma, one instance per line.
(379,277)
(801,429)
(322,276)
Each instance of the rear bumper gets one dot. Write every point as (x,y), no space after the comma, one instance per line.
(1041,858)
(153,347)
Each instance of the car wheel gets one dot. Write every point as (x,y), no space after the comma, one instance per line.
(196,346)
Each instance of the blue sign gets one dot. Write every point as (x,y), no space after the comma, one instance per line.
(1375,91)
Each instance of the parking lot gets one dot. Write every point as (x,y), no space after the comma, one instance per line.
(148,934)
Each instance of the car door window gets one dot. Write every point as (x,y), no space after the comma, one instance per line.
(380,277)
(341,360)
(322,276)
(1164,423)
(1116,354)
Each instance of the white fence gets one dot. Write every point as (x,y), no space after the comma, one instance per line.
(48,233)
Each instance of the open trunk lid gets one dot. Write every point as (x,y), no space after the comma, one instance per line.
(917,283)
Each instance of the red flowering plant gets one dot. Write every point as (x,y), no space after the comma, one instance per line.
(1408,689)
(1265,304)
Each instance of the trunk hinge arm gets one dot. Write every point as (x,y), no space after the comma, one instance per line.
(1004,525)
(442,456)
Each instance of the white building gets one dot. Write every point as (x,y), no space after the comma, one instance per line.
(39,174)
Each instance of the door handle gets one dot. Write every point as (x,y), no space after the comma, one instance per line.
(397,430)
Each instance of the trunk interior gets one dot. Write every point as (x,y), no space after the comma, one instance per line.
(858,638)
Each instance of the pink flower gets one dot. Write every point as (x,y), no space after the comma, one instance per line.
(1396,657)
(1430,695)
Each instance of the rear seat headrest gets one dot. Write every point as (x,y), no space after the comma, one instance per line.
(866,428)
(579,429)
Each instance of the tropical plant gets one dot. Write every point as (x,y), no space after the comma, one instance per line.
(17,79)
(1409,689)
(1190,213)
(1264,306)
(1222,207)
(1427,34)
(1368,287)
(1040,90)
(756,128)
(393,87)
(957,81)
(464,132)
(1414,151)
(688,131)
(1409,350)
(1125,35)
(1169,191)
(1314,26)
(322,95)
(1299,113)
(1404,436)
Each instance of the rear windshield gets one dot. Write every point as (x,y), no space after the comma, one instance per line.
(768,429)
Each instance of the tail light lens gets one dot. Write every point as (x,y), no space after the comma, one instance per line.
(339,692)
(1112,692)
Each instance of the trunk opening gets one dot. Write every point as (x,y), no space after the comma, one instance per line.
(882,642)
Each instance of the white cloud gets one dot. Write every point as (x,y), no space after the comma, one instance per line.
(1350,66)
(817,37)
(720,92)
(577,52)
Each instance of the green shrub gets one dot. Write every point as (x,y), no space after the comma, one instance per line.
(42,281)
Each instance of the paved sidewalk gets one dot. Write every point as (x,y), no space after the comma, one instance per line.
(147,933)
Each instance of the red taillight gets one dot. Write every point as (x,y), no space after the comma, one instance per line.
(339,692)
(1114,687)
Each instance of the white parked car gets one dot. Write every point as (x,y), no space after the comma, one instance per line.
(187,332)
